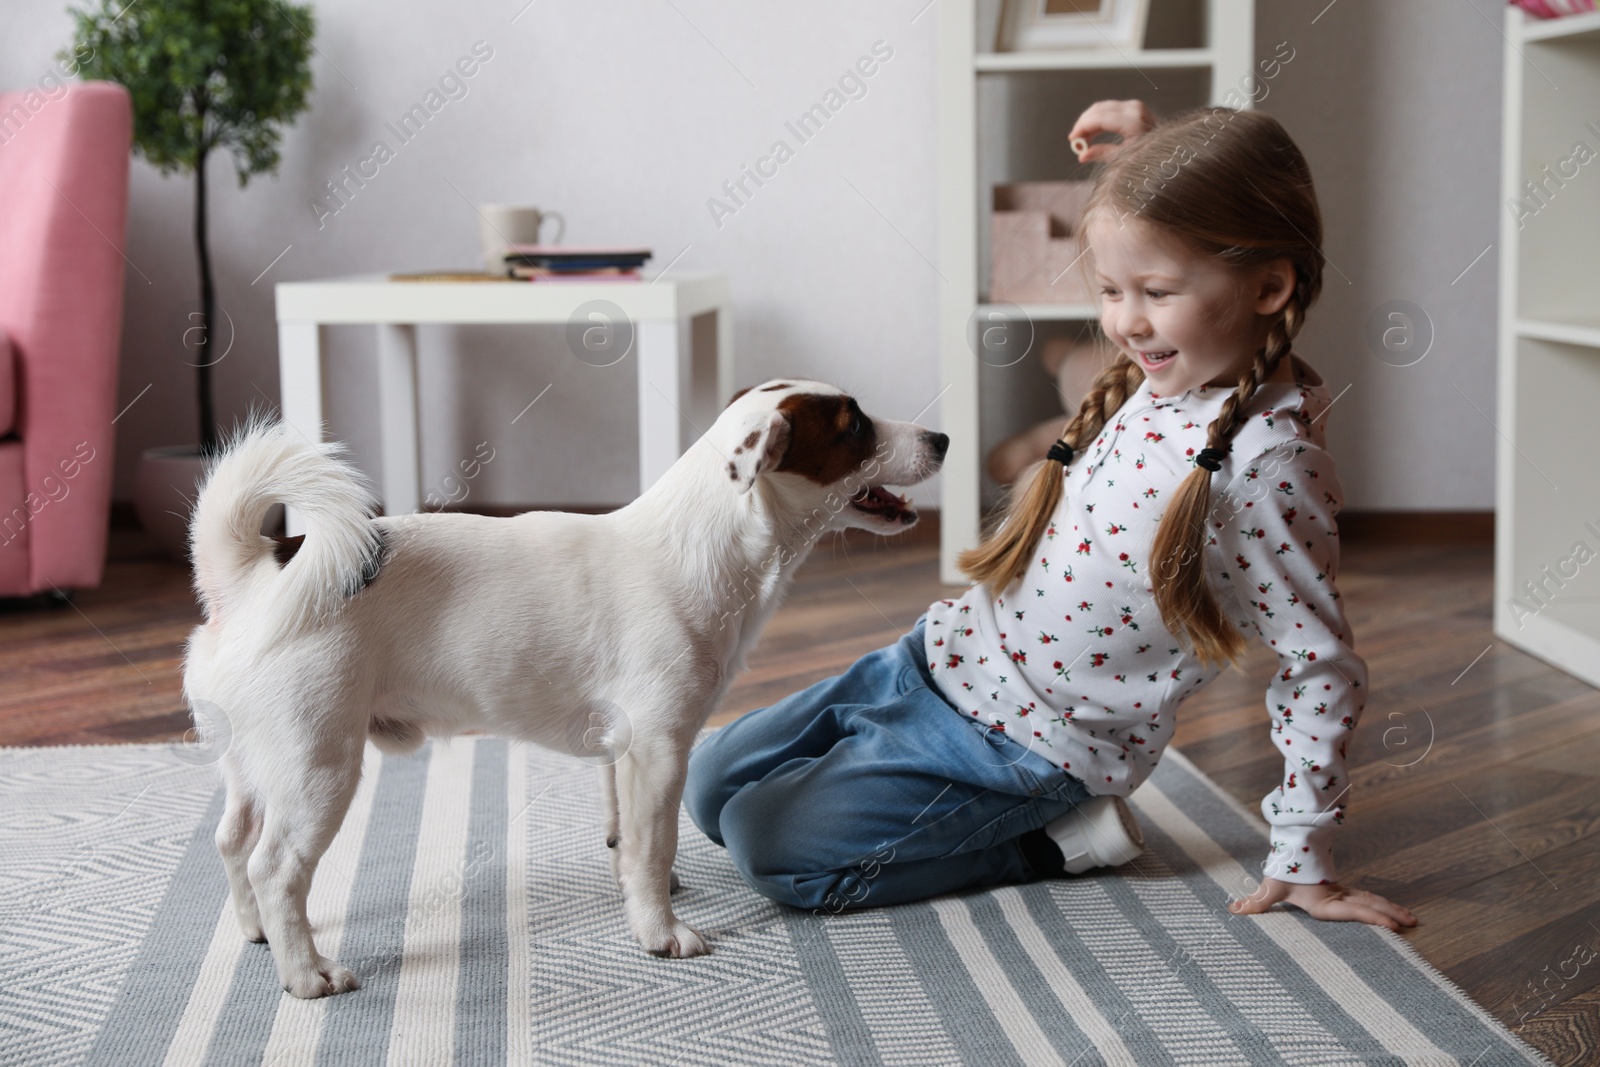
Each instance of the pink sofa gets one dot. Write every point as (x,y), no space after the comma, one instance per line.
(63,216)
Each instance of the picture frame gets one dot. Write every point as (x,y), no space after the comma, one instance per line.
(1051,25)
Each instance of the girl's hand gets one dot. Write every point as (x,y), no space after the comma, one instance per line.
(1129,118)
(1329,901)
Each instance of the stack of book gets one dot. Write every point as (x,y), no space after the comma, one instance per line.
(542,263)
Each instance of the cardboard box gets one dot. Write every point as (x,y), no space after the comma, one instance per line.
(1033,245)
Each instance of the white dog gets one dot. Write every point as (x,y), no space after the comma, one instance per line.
(540,627)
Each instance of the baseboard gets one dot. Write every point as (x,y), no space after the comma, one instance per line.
(1355,526)
(1455,528)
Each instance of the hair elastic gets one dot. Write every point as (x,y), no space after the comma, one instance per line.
(1080,145)
(1061,452)
(1210,459)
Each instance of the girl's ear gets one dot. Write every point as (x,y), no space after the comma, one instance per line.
(1275,286)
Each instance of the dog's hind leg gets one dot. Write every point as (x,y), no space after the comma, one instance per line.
(305,805)
(237,835)
(650,787)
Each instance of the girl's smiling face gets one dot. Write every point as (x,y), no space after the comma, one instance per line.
(1186,319)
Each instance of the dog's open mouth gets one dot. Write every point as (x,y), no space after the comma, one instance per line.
(885,506)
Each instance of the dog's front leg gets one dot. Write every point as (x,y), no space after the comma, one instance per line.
(608,799)
(650,787)
(608,802)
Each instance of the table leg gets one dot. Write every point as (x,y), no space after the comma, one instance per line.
(663,395)
(724,354)
(300,386)
(397,406)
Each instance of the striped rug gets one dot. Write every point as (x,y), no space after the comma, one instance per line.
(470,889)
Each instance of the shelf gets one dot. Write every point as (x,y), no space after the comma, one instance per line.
(1044,312)
(995,109)
(1565,28)
(1572,333)
(1092,59)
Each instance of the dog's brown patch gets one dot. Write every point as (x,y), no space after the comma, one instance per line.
(775,386)
(822,446)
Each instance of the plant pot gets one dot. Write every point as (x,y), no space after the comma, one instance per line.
(164,489)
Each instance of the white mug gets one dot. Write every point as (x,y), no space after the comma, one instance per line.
(500,225)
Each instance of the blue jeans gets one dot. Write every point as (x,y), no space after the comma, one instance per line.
(869,788)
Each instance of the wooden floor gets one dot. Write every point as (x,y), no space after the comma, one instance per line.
(1476,768)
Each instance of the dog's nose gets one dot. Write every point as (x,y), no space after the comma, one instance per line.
(938,442)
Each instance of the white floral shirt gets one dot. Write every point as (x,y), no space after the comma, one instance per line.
(1074,661)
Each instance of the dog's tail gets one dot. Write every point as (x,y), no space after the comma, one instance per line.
(268,463)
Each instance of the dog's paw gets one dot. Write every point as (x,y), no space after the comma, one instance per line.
(326,979)
(679,943)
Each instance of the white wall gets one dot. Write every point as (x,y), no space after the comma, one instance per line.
(629,115)
(1397,108)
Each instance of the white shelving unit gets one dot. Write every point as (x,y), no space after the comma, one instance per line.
(1547,481)
(1221,64)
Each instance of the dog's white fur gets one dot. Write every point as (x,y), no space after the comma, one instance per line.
(610,636)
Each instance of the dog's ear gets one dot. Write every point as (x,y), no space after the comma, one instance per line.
(760,449)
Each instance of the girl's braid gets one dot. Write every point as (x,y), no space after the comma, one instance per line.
(1111,390)
(1005,553)
(1178,551)
(1280,338)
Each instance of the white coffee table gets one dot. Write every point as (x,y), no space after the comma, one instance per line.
(678,393)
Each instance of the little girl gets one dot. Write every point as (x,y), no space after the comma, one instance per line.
(1189,503)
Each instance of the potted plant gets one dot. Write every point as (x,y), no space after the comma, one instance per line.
(205,76)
